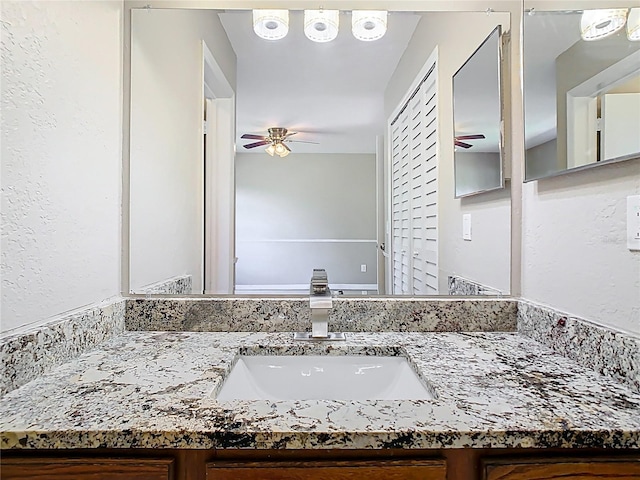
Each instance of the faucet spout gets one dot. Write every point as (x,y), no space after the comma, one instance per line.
(320,302)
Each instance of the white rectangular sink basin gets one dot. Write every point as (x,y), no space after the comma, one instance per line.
(321,377)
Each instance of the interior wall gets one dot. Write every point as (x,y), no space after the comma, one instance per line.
(166,141)
(542,159)
(476,171)
(486,258)
(61,157)
(302,212)
(575,256)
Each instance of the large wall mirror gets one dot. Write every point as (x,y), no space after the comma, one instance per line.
(478,120)
(581,86)
(204,88)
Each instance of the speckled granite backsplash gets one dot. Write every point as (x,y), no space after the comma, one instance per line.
(347,315)
(182,285)
(606,351)
(26,356)
(462,286)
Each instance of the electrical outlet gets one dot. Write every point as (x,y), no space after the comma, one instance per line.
(363,268)
(633,222)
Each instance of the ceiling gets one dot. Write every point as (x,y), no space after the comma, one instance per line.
(331,93)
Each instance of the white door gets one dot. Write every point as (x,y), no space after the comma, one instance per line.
(414,193)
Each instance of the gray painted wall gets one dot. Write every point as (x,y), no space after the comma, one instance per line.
(288,210)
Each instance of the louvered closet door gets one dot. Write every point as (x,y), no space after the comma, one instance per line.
(425,187)
(414,193)
(401,205)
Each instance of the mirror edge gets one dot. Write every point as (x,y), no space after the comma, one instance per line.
(503,44)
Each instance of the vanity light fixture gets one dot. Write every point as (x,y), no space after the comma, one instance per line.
(271,24)
(321,25)
(633,25)
(368,25)
(597,24)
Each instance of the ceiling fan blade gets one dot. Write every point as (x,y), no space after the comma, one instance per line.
(257,144)
(289,134)
(462,144)
(470,137)
(301,141)
(286,147)
(251,136)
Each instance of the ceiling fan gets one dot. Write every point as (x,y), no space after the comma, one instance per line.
(458,143)
(275,139)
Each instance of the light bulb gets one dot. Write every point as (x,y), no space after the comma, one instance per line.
(368,25)
(597,24)
(279,149)
(271,24)
(633,25)
(271,150)
(321,25)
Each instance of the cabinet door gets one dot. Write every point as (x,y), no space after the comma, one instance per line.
(564,469)
(86,469)
(338,470)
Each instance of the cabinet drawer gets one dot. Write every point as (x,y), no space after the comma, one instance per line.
(562,468)
(338,470)
(87,469)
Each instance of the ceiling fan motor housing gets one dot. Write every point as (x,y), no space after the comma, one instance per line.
(277,134)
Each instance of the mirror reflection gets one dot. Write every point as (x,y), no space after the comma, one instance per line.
(581,88)
(254,161)
(477,116)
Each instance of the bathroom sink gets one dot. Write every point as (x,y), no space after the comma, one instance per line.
(309,377)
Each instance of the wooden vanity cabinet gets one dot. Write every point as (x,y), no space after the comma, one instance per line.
(86,469)
(336,470)
(561,469)
(336,464)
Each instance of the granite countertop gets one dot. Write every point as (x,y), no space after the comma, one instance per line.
(154,390)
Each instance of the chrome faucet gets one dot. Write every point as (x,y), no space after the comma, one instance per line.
(320,302)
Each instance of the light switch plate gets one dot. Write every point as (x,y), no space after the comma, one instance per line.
(633,222)
(466,226)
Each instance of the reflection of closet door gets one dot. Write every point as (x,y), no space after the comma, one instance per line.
(425,229)
(414,192)
(400,206)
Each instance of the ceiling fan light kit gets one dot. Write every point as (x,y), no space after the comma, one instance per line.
(271,149)
(321,25)
(271,24)
(597,24)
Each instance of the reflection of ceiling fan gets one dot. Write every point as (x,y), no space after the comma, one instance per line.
(458,143)
(276,140)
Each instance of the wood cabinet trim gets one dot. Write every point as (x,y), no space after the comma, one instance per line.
(338,470)
(87,467)
(532,468)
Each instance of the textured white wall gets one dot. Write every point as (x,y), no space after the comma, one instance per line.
(485,259)
(166,141)
(61,157)
(575,256)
